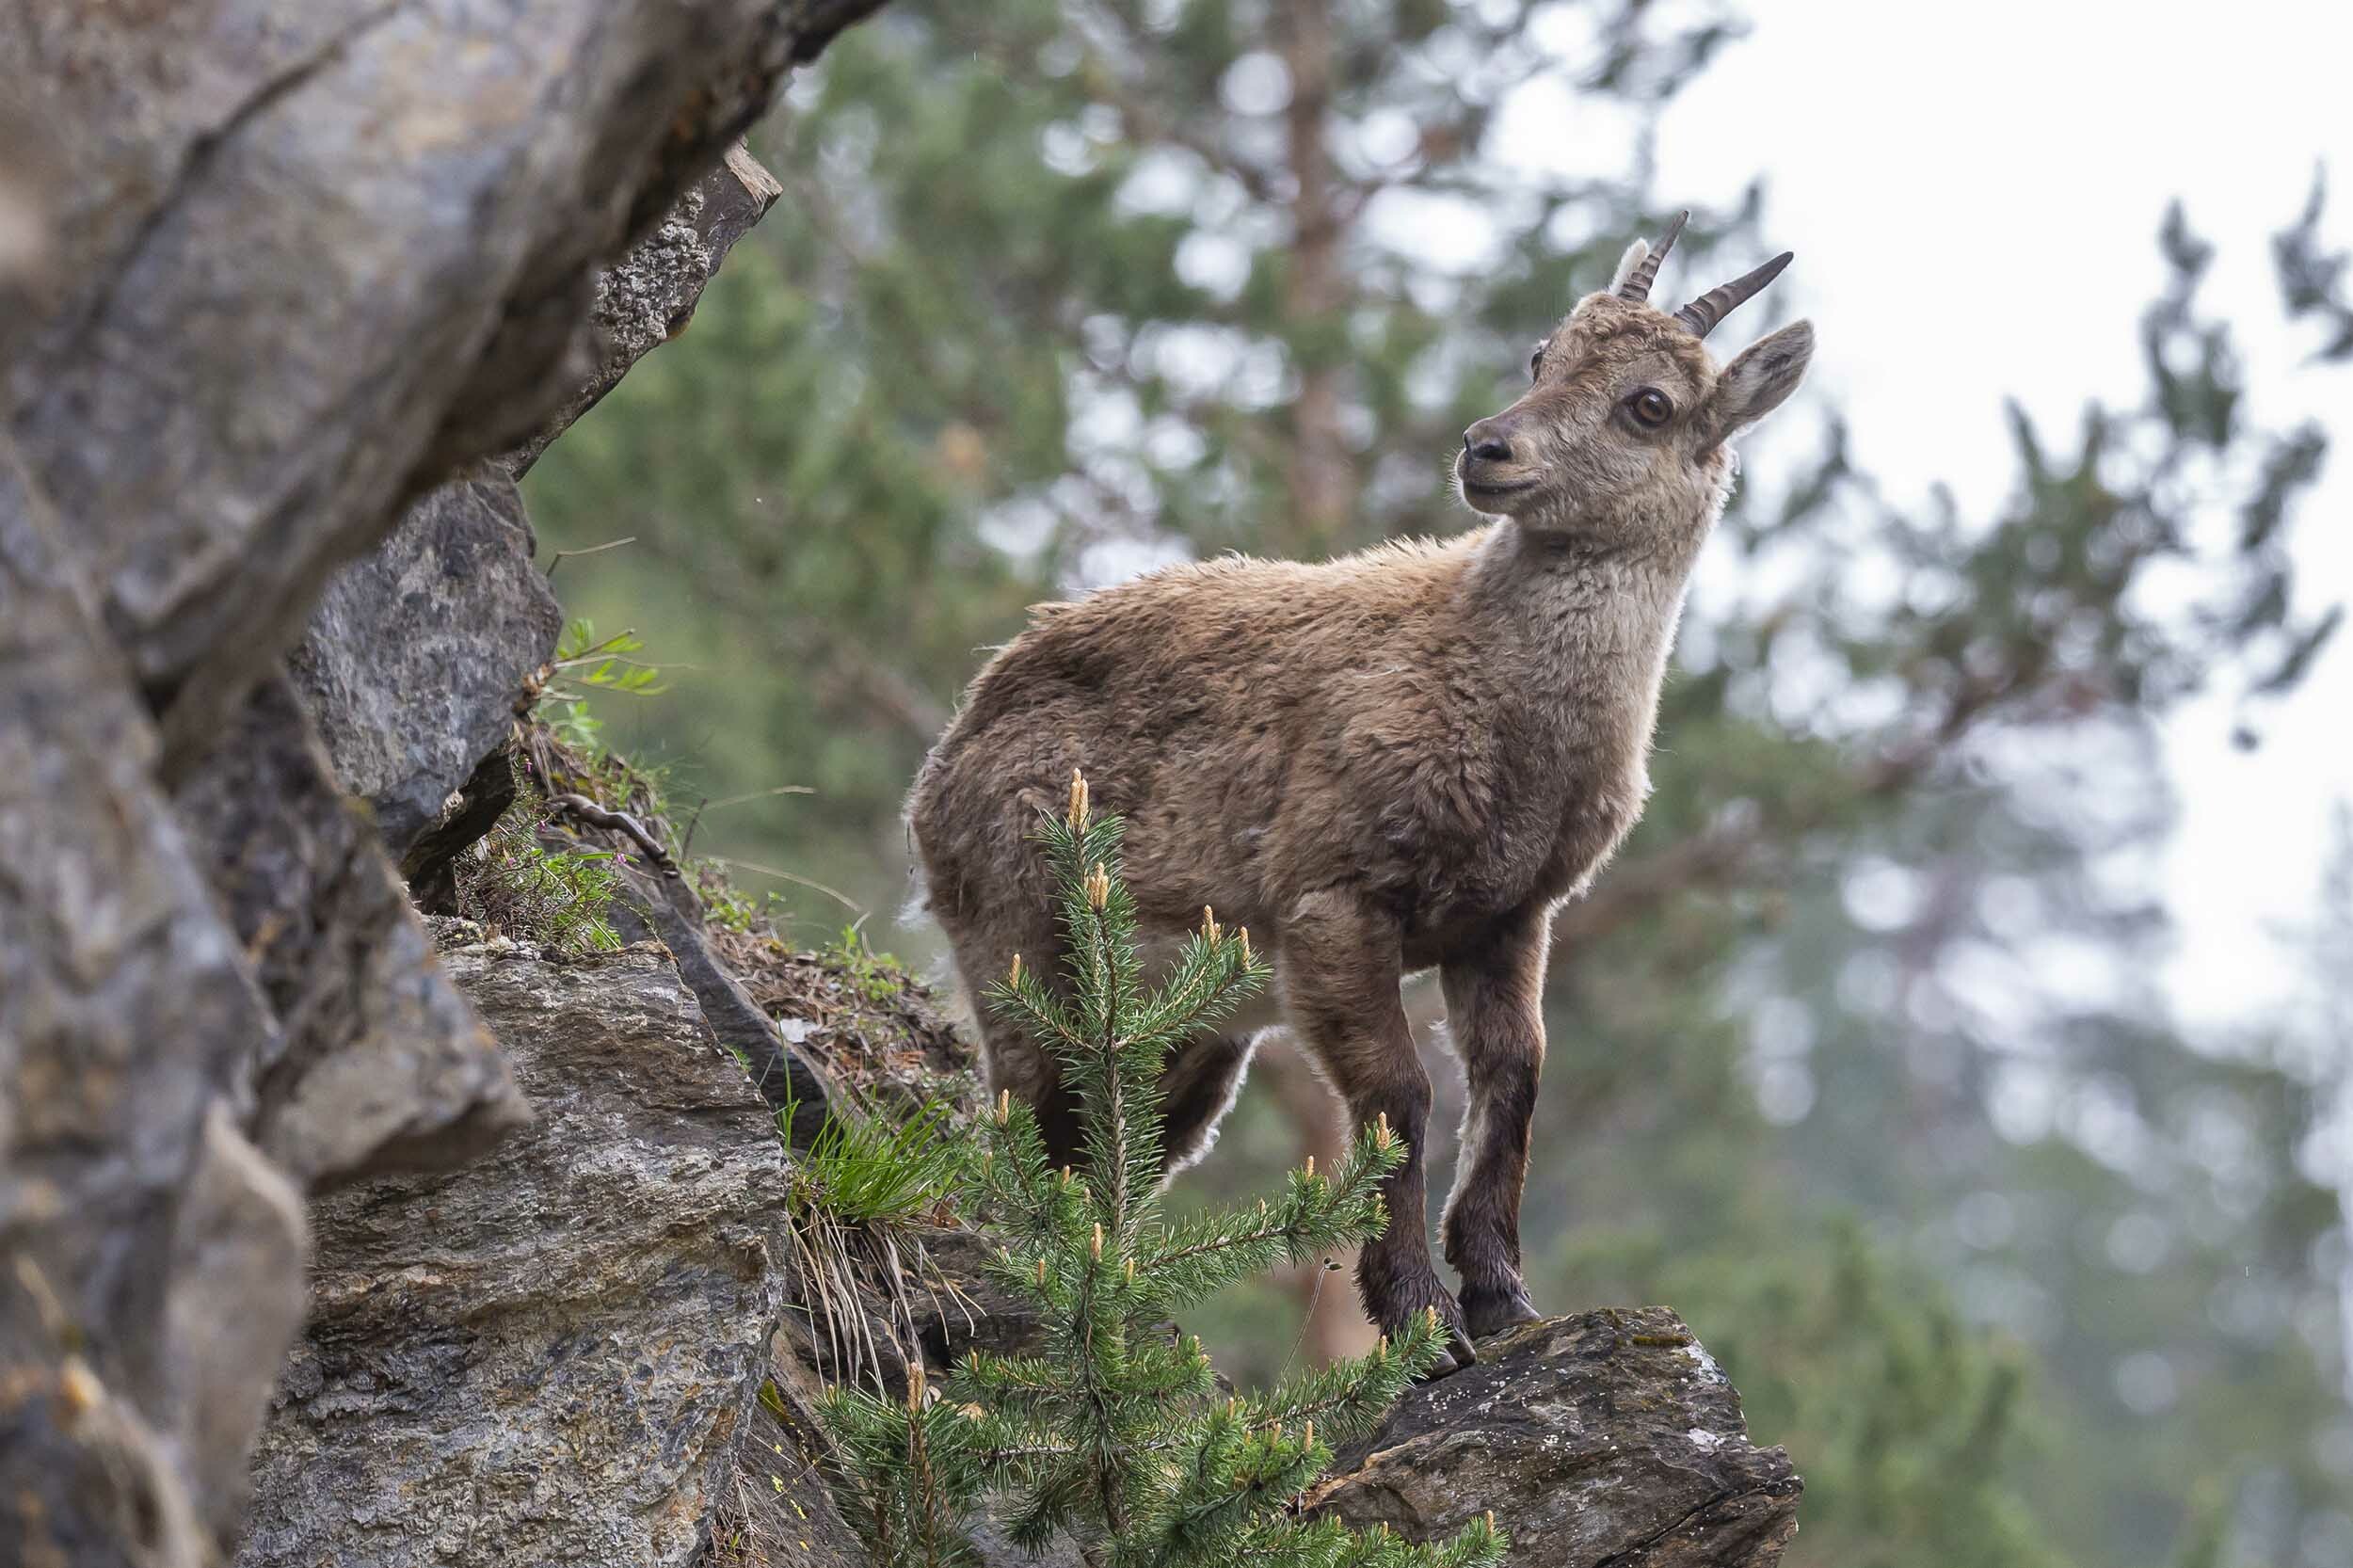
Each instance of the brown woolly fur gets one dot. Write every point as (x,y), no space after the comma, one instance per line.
(1401,760)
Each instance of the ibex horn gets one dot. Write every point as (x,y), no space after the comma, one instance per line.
(1703,314)
(1637,284)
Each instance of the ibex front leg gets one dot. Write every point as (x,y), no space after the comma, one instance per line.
(1494,1011)
(1339,973)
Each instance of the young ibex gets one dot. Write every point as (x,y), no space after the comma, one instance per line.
(1398,760)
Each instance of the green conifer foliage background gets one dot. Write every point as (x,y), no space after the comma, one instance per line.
(1114,1433)
(1877,972)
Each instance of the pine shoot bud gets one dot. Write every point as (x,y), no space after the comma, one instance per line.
(1099,886)
(1307,1436)
(1131,1271)
(915,1385)
(1242,935)
(1078,801)
(1005,1106)
(1311,1167)
(79,1387)
(1041,1273)
(1382,1136)
(1014,976)
(1209,922)
(1094,1248)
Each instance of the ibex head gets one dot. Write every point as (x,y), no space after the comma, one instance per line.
(1624,424)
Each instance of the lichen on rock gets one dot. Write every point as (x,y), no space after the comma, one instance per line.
(1606,1437)
(547,1356)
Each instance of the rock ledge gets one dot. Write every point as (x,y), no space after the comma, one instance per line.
(1609,1437)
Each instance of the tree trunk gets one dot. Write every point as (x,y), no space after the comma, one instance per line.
(1320,474)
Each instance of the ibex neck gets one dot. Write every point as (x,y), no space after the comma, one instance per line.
(1571,604)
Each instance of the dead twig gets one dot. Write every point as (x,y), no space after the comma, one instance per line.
(563,555)
(620,821)
(795,878)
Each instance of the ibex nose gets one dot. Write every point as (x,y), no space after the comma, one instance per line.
(1482,441)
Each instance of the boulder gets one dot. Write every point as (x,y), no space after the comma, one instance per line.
(421,653)
(378,1063)
(1609,1437)
(549,1355)
(153,1261)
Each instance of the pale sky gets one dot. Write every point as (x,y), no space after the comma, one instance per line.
(1973,193)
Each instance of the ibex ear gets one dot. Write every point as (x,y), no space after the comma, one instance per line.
(1765,374)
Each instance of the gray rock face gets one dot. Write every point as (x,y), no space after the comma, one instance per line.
(1607,1438)
(125,1190)
(417,657)
(421,653)
(378,1064)
(546,1357)
(289,264)
(645,299)
(315,255)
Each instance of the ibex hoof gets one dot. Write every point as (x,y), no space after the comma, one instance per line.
(1448,1364)
(1484,1314)
(1457,1353)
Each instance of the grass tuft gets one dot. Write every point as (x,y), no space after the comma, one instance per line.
(860,1198)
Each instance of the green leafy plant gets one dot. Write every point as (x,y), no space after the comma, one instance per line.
(586,661)
(877,977)
(585,664)
(1116,1435)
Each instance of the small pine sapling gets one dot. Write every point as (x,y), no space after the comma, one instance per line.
(1116,1435)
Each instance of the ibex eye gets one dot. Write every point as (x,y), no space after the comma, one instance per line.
(1651,407)
(1536,362)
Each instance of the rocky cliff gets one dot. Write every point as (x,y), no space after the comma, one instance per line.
(274,276)
(335,1236)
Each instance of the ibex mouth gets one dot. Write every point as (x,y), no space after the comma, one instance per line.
(1489,495)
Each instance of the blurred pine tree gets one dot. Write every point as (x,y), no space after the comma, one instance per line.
(1063,287)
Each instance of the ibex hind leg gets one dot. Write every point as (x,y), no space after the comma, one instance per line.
(1198,1085)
